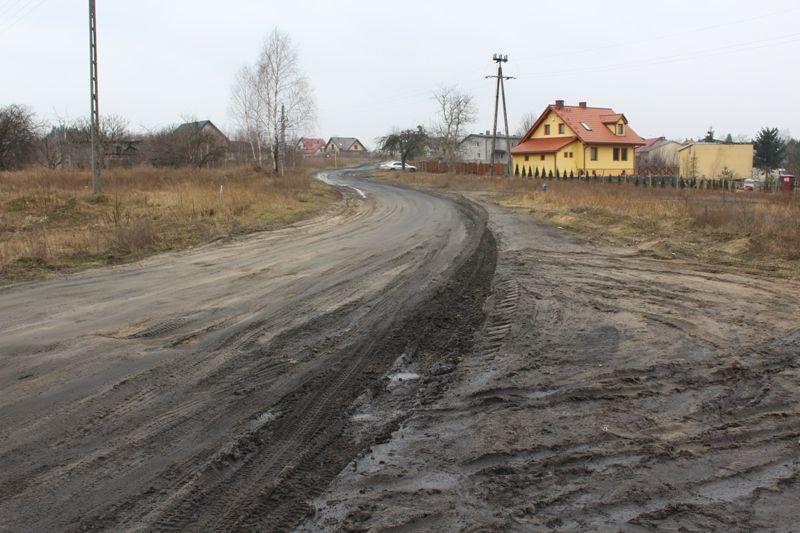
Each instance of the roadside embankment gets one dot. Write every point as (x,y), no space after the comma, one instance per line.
(758,231)
(50,220)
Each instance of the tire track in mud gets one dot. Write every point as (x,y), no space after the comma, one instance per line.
(264,477)
(621,393)
(240,501)
(500,320)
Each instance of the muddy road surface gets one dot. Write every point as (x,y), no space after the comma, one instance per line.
(212,390)
(610,389)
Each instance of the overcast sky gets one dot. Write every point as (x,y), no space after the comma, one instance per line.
(674,68)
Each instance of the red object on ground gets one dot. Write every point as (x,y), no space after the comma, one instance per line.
(787,183)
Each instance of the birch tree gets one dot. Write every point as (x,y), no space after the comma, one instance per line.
(273,99)
(246,111)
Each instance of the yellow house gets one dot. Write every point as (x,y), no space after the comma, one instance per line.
(575,141)
(715,160)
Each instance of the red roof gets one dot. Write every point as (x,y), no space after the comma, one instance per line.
(649,143)
(309,145)
(613,118)
(596,119)
(542,146)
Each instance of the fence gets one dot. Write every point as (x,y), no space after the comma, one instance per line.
(480,169)
(670,181)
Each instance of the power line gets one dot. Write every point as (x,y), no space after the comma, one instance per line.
(10,7)
(22,14)
(661,37)
(710,52)
(454,80)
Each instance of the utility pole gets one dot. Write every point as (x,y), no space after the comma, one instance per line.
(95,114)
(282,148)
(500,91)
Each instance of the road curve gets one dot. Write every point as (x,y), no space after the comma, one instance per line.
(188,390)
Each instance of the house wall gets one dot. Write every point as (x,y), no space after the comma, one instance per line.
(553,121)
(708,161)
(581,158)
(478,149)
(604,166)
(667,152)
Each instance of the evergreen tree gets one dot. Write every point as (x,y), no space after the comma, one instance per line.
(550,174)
(536,175)
(516,170)
(770,150)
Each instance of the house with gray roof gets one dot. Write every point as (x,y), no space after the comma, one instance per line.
(345,145)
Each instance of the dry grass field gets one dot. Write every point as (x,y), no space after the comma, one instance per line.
(758,229)
(51,221)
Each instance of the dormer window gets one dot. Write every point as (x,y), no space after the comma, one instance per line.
(547,129)
(620,129)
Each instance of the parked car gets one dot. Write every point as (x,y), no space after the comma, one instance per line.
(747,186)
(398,165)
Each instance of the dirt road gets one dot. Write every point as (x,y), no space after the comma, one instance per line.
(609,390)
(211,389)
(393,367)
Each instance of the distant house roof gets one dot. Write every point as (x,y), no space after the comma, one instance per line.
(501,140)
(649,144)
(589,124)
(343,143)
(196,127)
(542,146)
(310,145)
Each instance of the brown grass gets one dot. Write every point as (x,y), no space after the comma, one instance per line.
(50,220)
(734,226)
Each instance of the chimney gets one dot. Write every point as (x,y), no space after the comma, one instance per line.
(582,105)
(559,104)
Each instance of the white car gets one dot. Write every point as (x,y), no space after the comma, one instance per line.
(398,165)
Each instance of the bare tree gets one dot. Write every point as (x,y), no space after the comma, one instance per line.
(17,137)
(189,144)
(282,98)
(455,109)
(525,123)
(247,112)
(68,142)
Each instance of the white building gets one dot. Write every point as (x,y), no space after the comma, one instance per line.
(477,148)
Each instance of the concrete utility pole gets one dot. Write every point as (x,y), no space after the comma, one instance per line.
(282,147)
(95,115)
(500,91)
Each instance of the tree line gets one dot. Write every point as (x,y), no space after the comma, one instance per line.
(271,100)
(26,141)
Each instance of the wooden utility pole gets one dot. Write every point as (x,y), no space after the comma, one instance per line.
(500,91)
(95,108)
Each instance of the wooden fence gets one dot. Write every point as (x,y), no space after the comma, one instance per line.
(480,169)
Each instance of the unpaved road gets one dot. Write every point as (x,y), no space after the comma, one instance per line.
(209,390)
(609,390)
(398,367)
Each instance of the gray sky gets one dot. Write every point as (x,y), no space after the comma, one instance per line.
(674,68)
